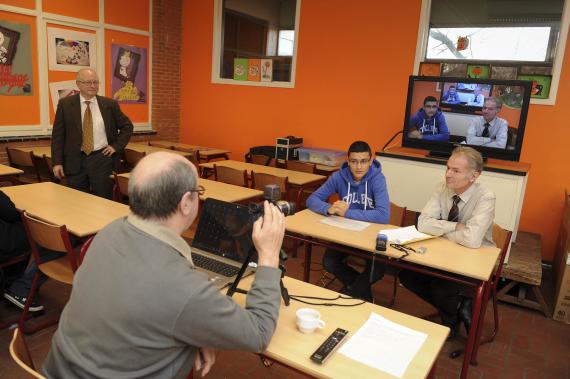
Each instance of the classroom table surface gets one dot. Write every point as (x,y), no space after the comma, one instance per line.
(293,348)
(9,170)
(441,253)
(39,151)
(204,151)
(152,149)
(295,177)
(83,214)
(223,191)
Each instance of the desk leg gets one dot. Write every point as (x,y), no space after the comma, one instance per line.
(481,323)
(473,331)
(307,268)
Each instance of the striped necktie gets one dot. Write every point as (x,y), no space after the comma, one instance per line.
(454,211)
(486,130)
(87,141)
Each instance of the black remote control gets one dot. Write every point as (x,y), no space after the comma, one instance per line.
(329,346)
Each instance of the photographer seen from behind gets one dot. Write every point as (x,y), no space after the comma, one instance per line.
(361,187)
(138,305)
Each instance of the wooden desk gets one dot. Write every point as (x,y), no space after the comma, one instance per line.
(151,149)
(443,259)
(295,177)
(223,191)
(293,348)
(8,172)
(39,151)
(83,214)
(206,153)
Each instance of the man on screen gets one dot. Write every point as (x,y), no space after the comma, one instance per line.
(451,96)
(489,130)
(476,99)
(429,122)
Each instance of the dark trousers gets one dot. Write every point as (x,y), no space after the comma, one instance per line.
(359,282)
(94,176)
(442,294)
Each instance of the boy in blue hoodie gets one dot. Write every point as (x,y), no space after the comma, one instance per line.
(361,187)
(429,123)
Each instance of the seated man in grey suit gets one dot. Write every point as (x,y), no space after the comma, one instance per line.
(140,309)
(462,211)
(489,130)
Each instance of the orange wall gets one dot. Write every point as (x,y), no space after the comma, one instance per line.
(352,73)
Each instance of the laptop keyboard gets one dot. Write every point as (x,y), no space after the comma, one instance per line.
(214,265)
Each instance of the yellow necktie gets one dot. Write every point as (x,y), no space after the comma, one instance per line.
(87,143)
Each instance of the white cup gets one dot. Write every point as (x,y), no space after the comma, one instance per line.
(308,320)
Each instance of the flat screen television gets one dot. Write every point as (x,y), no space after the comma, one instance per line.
(459,112)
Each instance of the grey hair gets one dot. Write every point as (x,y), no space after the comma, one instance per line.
(474,158)
(497,101)
(159,197)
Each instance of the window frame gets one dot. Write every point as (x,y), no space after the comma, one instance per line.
(422,41)
(217,51)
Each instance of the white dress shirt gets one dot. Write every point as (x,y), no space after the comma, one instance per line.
(476,212)
(99,134)
(498,131)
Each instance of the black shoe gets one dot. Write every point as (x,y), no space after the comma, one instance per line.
(453,331)
(20,302)
(465,312)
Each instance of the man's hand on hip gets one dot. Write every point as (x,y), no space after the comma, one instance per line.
(109,150)
(58,171)
(268,232)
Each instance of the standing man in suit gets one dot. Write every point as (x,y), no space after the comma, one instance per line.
(89,134)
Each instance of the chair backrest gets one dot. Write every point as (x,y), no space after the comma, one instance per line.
(311,168)
(502,239)
(263,160)
(49,165)
(397,214)
(193,156)
(21,355)
(23,160)
(259,180)
(132,157)
(164,145)
(121,189)
(230,175)
(49,236)
(84,249)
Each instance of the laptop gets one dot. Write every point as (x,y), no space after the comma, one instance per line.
(223,241)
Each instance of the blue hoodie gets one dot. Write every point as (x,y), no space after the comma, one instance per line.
(367,199)
(432,128)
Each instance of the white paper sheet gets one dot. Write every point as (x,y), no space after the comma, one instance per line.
(404,235)
(345,223)
(384,345)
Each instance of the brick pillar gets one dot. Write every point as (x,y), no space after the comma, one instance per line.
(167,42)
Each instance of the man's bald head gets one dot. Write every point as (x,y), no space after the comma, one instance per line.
(86,74)
(157,184)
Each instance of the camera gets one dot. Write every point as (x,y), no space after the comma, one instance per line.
(271,193)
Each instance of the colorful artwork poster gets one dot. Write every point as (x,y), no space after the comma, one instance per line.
(540,85)
(129,74)
(69,50)
(478,71)
(59,90)
(16,76)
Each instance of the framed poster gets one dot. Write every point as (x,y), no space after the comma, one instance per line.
(540,85)
(454,69)
(129,74)
(69,50)
(59,90)
(429,69)
(504,72)
(478,71)
(16,75)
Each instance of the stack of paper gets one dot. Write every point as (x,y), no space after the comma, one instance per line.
(345,223)
(405,235)
(384,345)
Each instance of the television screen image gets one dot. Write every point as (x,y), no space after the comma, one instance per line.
(487,114)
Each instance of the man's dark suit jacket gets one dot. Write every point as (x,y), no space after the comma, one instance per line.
(67,133)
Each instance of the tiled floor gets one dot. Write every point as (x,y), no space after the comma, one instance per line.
(528,345)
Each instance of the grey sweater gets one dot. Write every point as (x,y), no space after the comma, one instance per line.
(139,309)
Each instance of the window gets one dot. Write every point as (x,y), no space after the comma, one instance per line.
(255,42)
(526,34)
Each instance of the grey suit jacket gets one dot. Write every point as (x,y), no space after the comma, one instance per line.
(67,133)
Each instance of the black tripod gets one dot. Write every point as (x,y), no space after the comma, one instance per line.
(234,286)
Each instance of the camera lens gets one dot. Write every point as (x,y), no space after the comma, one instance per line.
(286,207)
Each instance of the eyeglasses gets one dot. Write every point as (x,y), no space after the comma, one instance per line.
(89,82)
(403,248)
(356,162)
(200,190)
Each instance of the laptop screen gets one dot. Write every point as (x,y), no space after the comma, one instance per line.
(224,229)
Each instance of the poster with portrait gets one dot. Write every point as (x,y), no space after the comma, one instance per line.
(16,76)
(69,50)
(59,90)
(129,74)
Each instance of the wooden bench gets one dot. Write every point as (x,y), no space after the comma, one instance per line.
(524,269)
